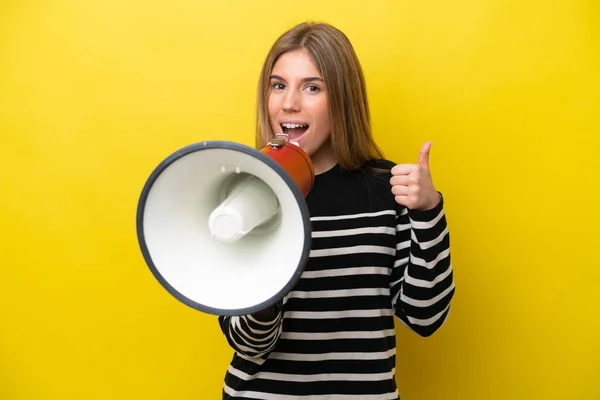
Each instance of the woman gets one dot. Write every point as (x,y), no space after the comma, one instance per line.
(380,243)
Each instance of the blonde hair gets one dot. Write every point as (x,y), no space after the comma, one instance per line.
(335,58)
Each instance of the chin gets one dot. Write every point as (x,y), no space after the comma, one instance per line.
(304,146)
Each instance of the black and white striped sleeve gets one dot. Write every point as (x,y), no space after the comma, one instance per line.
(251,336)
(422,280)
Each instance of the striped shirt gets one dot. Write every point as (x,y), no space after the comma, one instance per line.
(371,261)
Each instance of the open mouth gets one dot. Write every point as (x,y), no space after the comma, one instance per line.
(294,131)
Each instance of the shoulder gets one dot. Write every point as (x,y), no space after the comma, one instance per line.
(376,175)
(378,168)
(380,163)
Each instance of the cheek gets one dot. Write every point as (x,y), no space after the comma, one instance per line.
(274,103)
(272,110)
(323,114)
(271,105)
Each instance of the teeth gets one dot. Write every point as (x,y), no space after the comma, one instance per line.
(292,126)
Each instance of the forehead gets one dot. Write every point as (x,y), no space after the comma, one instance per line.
(295,64)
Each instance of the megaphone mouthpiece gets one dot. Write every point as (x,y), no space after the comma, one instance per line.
(251,203)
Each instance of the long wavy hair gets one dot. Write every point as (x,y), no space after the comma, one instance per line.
(335,58)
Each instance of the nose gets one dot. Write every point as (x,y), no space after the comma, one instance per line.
(291,101)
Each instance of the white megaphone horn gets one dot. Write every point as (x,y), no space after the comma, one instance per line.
(225,228)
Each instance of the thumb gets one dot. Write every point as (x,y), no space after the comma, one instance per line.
(424,155)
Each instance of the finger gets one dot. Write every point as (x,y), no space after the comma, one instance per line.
(424,155)
(400,190)
(403,200)
(402,180)
(403,169)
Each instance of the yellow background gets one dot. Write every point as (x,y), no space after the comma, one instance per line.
(94,94)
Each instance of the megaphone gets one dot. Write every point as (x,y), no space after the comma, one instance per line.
(224,227)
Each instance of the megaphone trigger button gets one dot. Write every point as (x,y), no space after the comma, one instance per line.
(238,170)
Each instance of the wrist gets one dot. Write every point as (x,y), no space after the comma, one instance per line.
(432,203)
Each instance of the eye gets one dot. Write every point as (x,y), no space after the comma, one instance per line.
(313,88)
(278,86)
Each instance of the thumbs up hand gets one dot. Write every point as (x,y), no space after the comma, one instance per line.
(412,185)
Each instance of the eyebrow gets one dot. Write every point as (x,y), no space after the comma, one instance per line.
(307,79)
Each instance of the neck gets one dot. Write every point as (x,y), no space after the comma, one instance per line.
(324,159)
